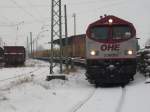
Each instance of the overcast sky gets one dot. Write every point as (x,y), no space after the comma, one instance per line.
(31,15)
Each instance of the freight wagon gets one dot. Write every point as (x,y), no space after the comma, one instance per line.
(75,47)
(14,55)
(1,55)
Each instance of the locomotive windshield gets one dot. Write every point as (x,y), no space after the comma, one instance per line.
(121,32)
(113,32)
(100,32)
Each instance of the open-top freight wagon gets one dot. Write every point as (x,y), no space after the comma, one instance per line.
(14,55)
(1,55)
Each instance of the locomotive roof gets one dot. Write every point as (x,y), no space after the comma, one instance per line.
(116,21)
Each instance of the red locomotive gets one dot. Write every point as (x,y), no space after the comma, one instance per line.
(111,47)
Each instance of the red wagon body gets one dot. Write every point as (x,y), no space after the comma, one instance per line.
(14,55)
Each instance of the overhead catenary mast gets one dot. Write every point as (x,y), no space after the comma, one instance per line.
(56,32)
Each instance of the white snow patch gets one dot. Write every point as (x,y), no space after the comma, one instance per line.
(38,95)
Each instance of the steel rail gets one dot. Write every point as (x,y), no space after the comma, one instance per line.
(81,103)
(20,75)
(121,101)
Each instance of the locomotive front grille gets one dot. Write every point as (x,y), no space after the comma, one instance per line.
(111,62)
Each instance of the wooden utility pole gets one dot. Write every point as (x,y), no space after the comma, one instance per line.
(60,36)
(27,48)
(31,44)
(74,16)
(66,36)
(33,47)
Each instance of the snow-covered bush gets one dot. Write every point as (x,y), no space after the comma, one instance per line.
(143,57)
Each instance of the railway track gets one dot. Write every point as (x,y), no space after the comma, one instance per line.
(24,71)
(19,75)
(81,103)
(8,83)
(121,101)
(94,95)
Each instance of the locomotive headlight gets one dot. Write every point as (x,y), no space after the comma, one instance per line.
(93,53)
(110,21)
(130,52)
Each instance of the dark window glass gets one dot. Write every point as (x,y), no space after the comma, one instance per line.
(121,32)
(100,33)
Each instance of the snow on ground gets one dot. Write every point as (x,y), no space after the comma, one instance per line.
(32,93)
(138,96)
(38,95)
(104,100)
(30,66)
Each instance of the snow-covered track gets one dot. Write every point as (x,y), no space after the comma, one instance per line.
(103,99)
(121,101)
(8,83)
(81,103)
(29,74)
(21,75)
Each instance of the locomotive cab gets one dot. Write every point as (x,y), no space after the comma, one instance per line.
(111,51)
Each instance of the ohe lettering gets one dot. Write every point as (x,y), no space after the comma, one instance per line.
(110,47)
